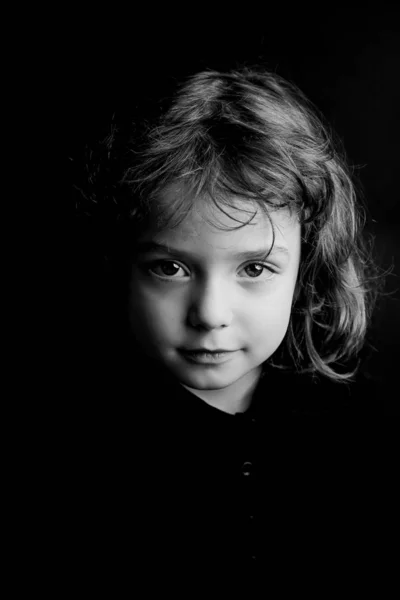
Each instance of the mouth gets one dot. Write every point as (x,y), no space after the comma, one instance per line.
(207,357)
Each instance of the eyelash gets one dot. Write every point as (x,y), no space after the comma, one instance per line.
(157,263)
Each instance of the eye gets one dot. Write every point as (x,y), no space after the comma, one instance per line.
(260,269)
(166,268)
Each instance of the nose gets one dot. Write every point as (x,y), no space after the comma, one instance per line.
(211,305)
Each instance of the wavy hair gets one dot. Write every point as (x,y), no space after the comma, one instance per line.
(250,133)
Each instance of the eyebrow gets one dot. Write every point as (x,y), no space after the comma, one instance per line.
(151,246)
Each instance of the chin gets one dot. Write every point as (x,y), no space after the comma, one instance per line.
(207,381)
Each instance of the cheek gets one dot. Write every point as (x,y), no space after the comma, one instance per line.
(270,318)
(152,313)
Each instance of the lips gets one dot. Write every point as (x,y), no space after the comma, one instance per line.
(207,350)
(203,357)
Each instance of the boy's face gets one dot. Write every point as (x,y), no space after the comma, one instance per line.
(203,295)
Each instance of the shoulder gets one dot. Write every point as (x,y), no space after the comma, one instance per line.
(310,395)
(358,398)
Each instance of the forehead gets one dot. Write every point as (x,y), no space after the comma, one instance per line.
(224,226)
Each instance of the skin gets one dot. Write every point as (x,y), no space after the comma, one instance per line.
(203,295)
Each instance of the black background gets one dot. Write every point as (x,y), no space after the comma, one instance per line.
(346,61)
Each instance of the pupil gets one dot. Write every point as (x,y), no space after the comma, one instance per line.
(169,266)
(258,269)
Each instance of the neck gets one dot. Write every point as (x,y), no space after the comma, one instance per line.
(234,398)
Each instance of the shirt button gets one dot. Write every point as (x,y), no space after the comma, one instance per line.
(247,468)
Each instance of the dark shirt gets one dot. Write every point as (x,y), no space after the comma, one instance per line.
(163,481)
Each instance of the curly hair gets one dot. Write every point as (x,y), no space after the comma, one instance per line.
(250,133)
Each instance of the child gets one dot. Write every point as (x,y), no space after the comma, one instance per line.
(238,162)
(243,288)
